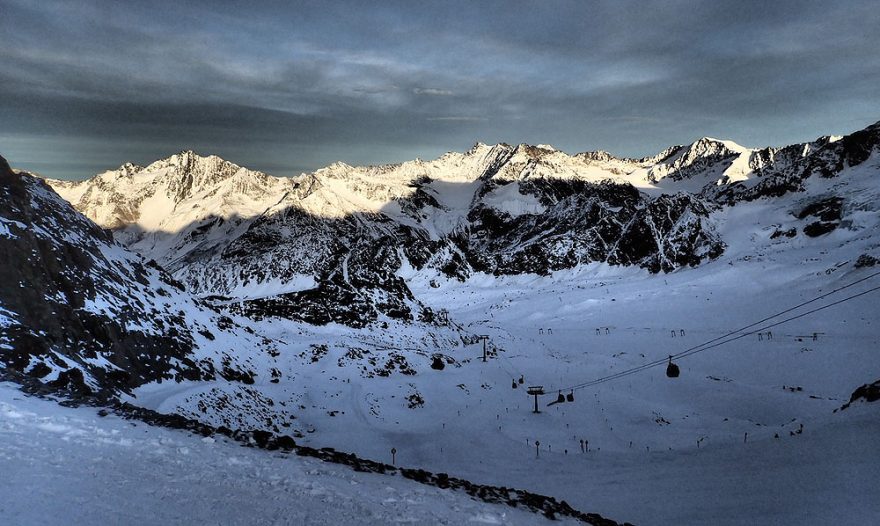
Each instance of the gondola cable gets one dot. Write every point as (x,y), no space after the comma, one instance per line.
(704,347)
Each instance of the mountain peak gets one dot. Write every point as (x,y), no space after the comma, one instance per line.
(534,151)
(188,158)
(598,155)
(713,145)
(189,169)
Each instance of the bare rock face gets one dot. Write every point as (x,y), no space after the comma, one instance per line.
(586,223)
(867,392)
(83,314)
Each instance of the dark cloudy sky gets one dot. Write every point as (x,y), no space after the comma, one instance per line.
(287,87)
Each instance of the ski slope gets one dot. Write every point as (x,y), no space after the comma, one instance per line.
(71,466)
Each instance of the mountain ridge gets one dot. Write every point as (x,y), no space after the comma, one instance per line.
(81,313)
(226,231)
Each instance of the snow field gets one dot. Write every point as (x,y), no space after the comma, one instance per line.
(70,466)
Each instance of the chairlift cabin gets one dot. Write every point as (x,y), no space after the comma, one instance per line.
(522,380)
(513,384)
(570,396)
(560,399)
(672,370)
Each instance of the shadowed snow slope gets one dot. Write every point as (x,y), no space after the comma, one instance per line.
(80,312)
(69,466)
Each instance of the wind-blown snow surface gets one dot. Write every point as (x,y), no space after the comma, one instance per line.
(70,466)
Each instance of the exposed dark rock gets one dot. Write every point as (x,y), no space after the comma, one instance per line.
(586,223)
(791,232)
(437,363)
(866,260)
(829,209)
(868,393)
(820,228)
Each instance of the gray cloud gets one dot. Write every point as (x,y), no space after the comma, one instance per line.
(432,91)
(287,87)
(457,119)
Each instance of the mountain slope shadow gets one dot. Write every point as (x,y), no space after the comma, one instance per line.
(84,315)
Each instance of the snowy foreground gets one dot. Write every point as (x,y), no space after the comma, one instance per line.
(71,466)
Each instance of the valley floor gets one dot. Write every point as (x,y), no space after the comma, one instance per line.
(748,434)
(700,449)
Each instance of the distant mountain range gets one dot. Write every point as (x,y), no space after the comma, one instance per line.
(331,245)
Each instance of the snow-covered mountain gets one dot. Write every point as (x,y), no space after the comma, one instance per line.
(330,245)
(554,258)
(82,313)
(296,246)
(171,194)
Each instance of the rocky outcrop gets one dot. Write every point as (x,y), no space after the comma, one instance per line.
(587,223)
(867,392)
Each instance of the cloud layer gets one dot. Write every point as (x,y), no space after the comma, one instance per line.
(288,87)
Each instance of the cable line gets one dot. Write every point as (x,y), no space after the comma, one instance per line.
(721,340)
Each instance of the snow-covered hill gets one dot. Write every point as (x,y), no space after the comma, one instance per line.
(71,466)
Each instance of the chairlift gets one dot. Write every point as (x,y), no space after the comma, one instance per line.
(560,399)
(570,396)
(672,370)
(521,380)
(513,384)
